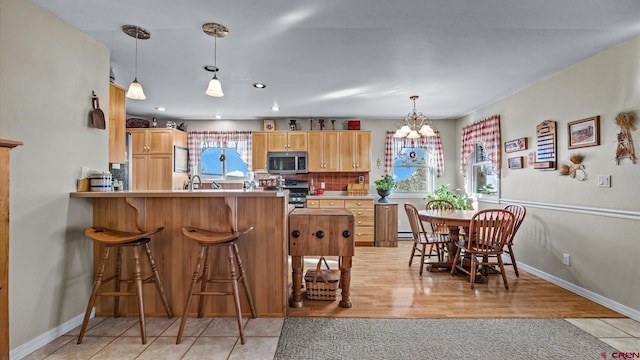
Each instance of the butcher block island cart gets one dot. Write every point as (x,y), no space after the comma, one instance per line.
(321,232)
(263,250)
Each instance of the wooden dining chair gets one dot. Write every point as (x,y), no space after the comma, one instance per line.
(488,234)
(439,229)
(421,238)
(519,212)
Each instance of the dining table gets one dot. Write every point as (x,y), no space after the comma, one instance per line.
(454,220)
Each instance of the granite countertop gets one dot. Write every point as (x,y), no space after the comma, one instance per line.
(340,195)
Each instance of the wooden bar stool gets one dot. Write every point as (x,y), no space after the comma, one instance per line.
(207,239)
(119,240)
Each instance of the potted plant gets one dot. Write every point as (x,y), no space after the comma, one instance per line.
(384,186)
(460,200)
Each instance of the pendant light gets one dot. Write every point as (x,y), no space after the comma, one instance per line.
(135,91)
(217,31)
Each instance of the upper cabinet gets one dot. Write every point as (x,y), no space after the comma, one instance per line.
(323,155)
(355,151)
(287,140)
(259,147)
(117,114)
(153,141)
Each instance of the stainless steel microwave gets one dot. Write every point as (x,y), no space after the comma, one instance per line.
(287,162)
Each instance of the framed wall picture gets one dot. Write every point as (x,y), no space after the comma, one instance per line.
(584,132)
(515,145)
(515,162)
(269,124)
(180,158)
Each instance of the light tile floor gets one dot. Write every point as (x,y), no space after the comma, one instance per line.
(217,338)
(206,338)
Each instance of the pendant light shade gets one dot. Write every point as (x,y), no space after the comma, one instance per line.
(215,88)
(135,91)
(217,31)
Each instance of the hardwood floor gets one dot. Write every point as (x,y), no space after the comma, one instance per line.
(384,286)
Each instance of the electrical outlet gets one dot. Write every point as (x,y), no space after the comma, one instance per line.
(565,259)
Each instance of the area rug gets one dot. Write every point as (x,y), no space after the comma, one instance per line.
(342,338)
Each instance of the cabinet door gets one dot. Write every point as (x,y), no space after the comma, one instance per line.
(159,172)
(347,147)
(331,151)
(160,141)
(139,172)
(297,141)
(116,124)
(259,150)
(362,151)
(139,141)
(277,141)
(315,157)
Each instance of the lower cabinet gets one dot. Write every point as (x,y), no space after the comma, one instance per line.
(362,209)
(386,219)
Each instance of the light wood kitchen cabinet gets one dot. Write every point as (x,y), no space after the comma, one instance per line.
(363,211)
(153,159)
(117,114)
(323,153)
(287,140)
(259,146)
(355,151)
(386,228)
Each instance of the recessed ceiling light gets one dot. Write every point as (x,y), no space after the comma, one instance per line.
(259,85)
(161,109)
(275,108)
(218,116)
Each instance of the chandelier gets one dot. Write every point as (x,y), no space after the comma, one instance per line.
(415,124)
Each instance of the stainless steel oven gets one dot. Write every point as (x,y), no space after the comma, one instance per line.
(298,191)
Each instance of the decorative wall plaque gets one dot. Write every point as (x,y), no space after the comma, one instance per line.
(546,138)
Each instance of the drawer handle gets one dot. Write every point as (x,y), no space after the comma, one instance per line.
(359,204)
(358,234)
(359,212)
(332,203)
(360,222)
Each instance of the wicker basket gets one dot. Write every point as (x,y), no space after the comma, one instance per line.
(322,284)
(357,190)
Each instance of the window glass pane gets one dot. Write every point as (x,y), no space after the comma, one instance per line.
(412,171)
(235,166)
(210,163)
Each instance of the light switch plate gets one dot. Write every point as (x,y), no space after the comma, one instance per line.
(604,180)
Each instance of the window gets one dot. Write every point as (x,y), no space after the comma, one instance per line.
(414,163)
(222,162)
(413,170)
(220,154)
(483,179)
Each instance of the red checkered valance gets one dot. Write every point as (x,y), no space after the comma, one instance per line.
(200,140)
(431,143)
(486,131)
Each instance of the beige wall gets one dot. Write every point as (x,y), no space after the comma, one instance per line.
(48,70)
(598,227)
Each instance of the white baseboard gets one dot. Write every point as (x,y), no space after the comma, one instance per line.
(597,298)
(42,340)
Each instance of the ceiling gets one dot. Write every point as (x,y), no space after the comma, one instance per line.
(345,59)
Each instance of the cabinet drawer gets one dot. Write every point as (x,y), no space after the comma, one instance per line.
(363,217)
(330,204)
(363,234)
(358,204)
(313,204)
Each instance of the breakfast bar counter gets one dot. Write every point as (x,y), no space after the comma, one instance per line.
(263,250)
